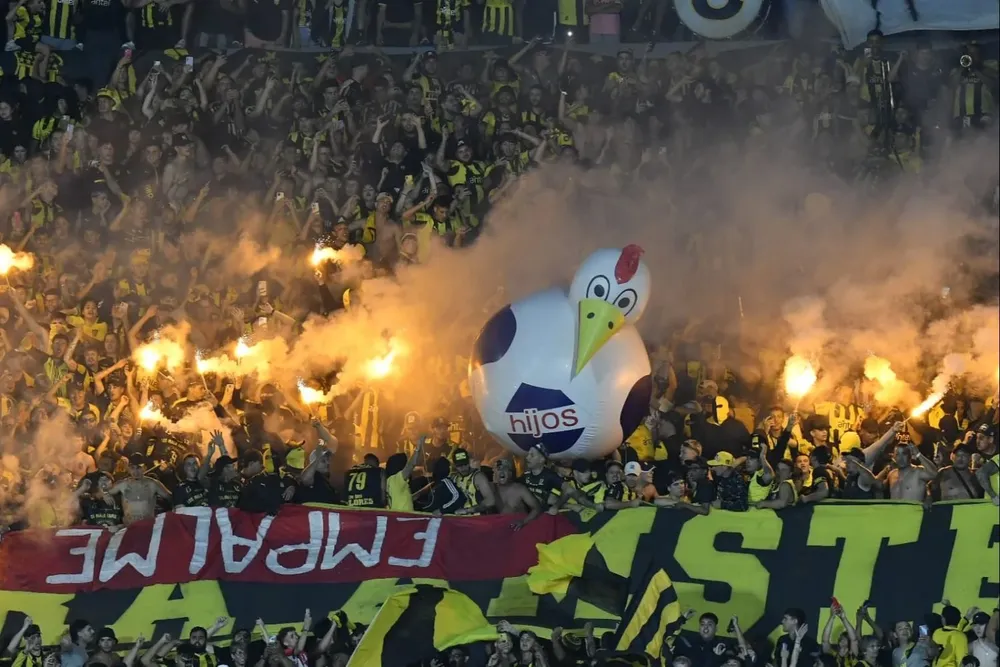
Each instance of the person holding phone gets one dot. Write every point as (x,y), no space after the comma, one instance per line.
(846,650)
(910,651)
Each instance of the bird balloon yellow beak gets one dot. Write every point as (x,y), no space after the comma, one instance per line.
(599,321)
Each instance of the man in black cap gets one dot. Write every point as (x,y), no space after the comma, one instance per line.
(480,498)
(31,654)
(225,486)
(106,642)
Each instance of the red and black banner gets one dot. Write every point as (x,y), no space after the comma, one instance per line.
(188,568)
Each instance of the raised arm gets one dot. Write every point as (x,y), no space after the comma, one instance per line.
(15,641)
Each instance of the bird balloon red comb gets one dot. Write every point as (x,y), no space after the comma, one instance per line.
(628,263)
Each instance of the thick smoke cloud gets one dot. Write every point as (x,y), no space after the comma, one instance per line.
(755,253)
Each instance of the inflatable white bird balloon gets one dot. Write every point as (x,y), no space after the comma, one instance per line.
(568,370)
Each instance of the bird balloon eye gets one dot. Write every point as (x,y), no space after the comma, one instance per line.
(598,288)
(626,300)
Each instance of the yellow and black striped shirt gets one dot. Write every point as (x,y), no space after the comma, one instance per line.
(154,16)
(972,98)
(27,25)
(60,23)
(498,18)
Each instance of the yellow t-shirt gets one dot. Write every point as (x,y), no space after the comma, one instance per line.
(97,330)
(397,488)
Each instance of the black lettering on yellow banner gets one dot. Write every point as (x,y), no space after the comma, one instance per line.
(746,575)
(974,569)
(862,530)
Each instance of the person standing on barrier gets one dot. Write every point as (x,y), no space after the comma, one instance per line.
(268,22)
(102,27)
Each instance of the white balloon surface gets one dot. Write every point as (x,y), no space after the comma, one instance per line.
(568,369)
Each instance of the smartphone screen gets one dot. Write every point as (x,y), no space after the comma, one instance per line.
(923,630)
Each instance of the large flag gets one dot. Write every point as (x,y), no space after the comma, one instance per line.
(653,614)
(573,566)
(416,623)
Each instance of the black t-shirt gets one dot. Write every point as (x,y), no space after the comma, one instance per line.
(14,132)
(321,491)
(190,494)
(101,513)
(103,15)
(262,493)
(363,487)
(807,649)
(264,18)
(224,494)
(703,493)
(542,484)
(701,652)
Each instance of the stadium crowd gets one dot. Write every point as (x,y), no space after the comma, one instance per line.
(945,639)
(119,212)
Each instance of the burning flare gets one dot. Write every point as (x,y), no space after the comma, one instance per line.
(880,370)
(323,254)
(160,353)
(242,349)
(929,403)
(149,413)
(380,367)
(800,376)
(311,396)
(891,390)
(345,255)
(22,261)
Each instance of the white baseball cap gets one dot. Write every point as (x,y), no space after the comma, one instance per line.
(633,468)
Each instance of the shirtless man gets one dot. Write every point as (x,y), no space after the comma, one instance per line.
(138,492)
(957,482)
(908,481)
(514,497)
